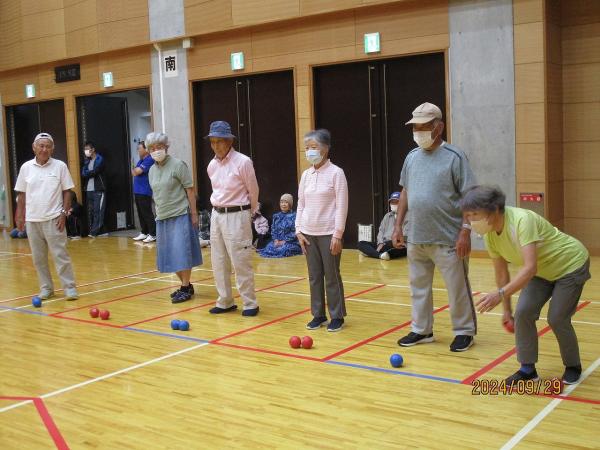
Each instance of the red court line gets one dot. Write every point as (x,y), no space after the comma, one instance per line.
(16,398)
(246,330)
(277,285)
(573,399)
(271,352)
(377,336)
(50,425)
(356,294)
(85,284)
(509,353)
(101,323)
(169,314)
(58,314)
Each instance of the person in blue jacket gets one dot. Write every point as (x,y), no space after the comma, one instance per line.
(283,231)
(94,187)
(143,195)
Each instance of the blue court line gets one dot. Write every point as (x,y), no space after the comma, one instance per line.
(26,311)
(158,333)
(395,372)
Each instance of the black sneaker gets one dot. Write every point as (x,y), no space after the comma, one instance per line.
(182,296)
(571,375)
(519,376)
(415,338)
(335,325)
(317,322)
(190,289)
(461,343)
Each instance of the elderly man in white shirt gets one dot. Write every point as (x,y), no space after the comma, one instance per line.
(43,200)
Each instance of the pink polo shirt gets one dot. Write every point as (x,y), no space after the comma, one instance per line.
(322,201)
(233,181)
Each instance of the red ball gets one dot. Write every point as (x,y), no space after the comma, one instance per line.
(307,342)
(104,314)
(295,342)
(94,312)
(509,325)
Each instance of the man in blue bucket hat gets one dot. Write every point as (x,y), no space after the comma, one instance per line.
(384,248)
(234,200)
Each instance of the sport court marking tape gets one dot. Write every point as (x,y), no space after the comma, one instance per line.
(104,377)
(548,409)
(14,253)
(394,372)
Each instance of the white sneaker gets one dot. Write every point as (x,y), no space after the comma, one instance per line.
(149,239)
(71,294)
(385,256)
(46,294)
(140,237)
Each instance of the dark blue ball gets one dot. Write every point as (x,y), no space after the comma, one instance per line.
(14,233)
(184,325)
(36,301)
(396,360)
(175,324)
(22,235)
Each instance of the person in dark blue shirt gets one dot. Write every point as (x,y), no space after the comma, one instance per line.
(94,188)
(143,195)
(284,243)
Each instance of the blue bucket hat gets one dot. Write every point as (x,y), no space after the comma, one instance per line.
(220,129)
(394,196)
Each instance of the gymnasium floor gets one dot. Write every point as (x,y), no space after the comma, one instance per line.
(70,381)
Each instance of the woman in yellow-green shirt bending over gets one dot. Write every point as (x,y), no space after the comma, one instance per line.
(552,265)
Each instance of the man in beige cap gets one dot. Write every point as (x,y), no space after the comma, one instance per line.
(434,178)
(43,200)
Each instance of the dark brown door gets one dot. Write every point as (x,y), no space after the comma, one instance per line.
(104,121)
(23,123)
(260,110)
(364,106)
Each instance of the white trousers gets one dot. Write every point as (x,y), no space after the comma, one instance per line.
(231,245)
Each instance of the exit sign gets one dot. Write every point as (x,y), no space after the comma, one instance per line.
(372,43)
(237,61)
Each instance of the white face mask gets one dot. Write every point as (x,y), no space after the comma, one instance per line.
(87,153)
(394,208)
(313,156)
(423,139)
(481,227)
(158,155)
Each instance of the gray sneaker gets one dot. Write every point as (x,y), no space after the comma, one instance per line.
(71,294)
(46,294)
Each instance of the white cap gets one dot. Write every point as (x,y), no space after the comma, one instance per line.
(43,136)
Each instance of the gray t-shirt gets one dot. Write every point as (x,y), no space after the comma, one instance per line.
(90,184)
(435,181)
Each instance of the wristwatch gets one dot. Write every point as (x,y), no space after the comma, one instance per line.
(62,211)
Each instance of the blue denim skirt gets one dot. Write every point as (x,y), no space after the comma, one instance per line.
(177,245)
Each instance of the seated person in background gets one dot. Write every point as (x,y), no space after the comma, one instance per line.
(74,215)
(284,243)
(260,230)
(384,248)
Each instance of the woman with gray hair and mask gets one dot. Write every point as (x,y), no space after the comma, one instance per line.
(320,223)
(554,266)
(177,249)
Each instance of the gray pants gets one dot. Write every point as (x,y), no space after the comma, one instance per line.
(423,258)
(324,274)
(565,293)
(43,236)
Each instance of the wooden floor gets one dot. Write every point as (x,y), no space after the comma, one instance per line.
(70,381)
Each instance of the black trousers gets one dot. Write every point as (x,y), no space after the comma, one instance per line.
(143,204)
(370,249)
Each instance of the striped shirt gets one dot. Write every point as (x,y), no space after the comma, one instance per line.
(322,201)
(233,181)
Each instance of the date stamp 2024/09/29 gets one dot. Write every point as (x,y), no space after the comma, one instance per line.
(553,386)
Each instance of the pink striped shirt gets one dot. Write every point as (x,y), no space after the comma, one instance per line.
(233,181)
(322,201)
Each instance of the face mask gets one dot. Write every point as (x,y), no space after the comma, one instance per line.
(481,227)
(394,208)
(423,139)
(158,155)
(314,156)
(87,153)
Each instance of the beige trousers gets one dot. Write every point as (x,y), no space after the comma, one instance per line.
(231,245)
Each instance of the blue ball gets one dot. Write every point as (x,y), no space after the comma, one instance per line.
(22,235)
(396,360)
(36,301)
(175,324)
(14,233)
(184,325)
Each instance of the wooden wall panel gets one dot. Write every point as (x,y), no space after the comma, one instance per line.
(49,23)
(581,83)
(581,160)
(581,44)
(555,161)
(119,10)
(530,123)
(49,48)
(252,12)
(309,7)
(526,11)
(529,85)
(529,42)
(81,15)
(582,199)
(123,33)
(530,163)
(39,6)
(208,16)
(580,12)
(82,42)
(581,122)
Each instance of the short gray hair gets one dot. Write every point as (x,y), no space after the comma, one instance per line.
(487,198)
(156,138)
(321,136)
